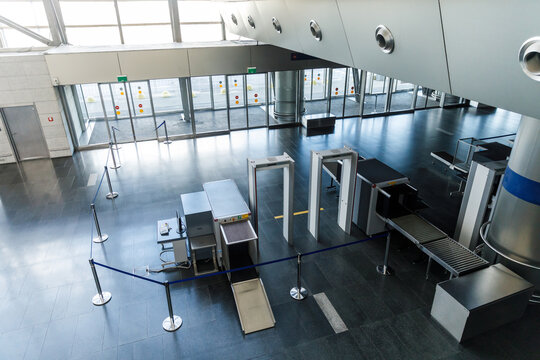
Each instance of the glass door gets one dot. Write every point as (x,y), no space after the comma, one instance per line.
(402,96)
(256,99)
(338,91)
(122,121)
(217,118)
(318,93)
(96,129)
(375,98)
(167,100)
(143,115)
(352,94)
(236,102)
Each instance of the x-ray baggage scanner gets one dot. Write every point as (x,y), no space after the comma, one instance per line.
(238,247)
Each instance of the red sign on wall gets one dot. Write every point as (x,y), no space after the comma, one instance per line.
(50,118)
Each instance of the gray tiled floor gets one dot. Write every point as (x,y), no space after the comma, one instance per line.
(46,285)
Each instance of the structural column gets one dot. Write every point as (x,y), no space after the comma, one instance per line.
(287,88)
(515,227)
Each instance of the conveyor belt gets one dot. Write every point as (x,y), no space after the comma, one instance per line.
(453,256)
(416,229)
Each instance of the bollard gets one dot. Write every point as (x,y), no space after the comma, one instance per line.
(101,237)
(172,322)
(112,194)
(101,298)
(298,292)
(385,269)
(114,130)
(167,141)
(115,166)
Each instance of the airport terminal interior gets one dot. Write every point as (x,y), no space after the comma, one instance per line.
(274,179)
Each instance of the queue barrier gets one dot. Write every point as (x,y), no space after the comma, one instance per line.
(173,322)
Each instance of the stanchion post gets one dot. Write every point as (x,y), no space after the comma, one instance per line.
(298,292)
(115,165)
(102,297)
(172,322)
(167,141)
(100,237)
(114,130)
(112,194)
(384,269)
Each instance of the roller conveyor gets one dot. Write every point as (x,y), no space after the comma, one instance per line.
(453,256)
(416,229)
(448,253)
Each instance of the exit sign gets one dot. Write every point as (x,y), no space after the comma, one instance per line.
(122,78)
(252,70)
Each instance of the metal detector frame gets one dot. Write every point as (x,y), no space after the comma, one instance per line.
(286,163)
(349,159)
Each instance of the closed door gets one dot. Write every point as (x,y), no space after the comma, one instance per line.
(25,132)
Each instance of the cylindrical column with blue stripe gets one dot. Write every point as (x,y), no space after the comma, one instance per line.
(515,226)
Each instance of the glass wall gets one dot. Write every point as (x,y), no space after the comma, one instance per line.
(402,96)
(145,22)
(199,21)
(28,13)
(220,103)
(113,22)
(90,22)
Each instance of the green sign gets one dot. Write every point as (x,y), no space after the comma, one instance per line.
(122,78)
(252,70)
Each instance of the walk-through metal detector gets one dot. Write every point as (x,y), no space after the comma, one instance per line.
(273,162)
(349,159)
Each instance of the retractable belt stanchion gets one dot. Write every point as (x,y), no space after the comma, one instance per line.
(172,322)
(116,147)
(384,269)
(112,194)
(102,297)
(298,292)
(115,165)
(167,141)
(100,237)
(164,124)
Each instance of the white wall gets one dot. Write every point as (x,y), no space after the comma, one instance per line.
(25,80)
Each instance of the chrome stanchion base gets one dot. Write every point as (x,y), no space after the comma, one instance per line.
(101,239)
(298,295)
(99,301)
(385,270)
(114,167)
(167,142)
(112,195)
(174,325)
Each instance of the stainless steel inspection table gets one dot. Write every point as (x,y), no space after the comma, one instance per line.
(481,301)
